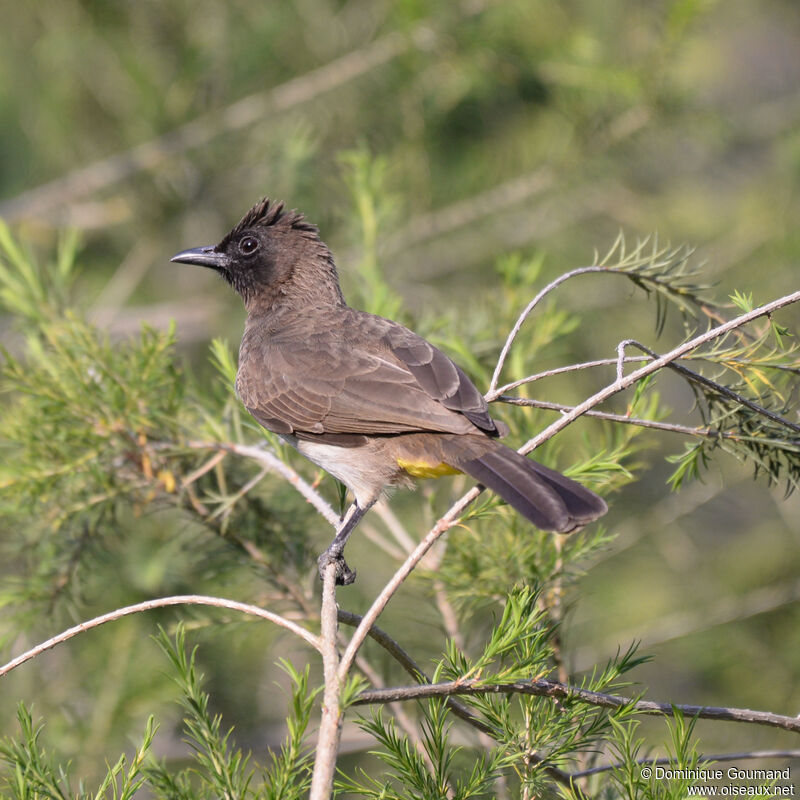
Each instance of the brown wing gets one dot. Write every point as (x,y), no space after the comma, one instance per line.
(441,378)
(368,376)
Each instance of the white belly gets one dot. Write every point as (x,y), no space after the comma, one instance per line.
(355,467)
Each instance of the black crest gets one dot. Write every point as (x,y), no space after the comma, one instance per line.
(266,213)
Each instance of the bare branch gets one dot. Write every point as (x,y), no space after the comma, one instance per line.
(202,470)
(561,691)
(162,602)
(392,647)
(227,505)
(717,387)
(414,670)
(526,312)
(655,365)
(443,525)
(448,613)
(498,198)
(644,423)
(406,723)
(330,728)
(395,527)
(537,299)
(620,360)
(371,532)
(269,460)
(549,373)
(459,709)
(717,758)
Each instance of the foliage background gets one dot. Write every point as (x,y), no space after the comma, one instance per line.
(533,127)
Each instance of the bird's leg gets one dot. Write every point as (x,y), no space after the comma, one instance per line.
(334,553)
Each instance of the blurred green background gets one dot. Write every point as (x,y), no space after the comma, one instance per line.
(490,128)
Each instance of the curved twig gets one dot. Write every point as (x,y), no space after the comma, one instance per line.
(162,602)
(527,310)
(653,366)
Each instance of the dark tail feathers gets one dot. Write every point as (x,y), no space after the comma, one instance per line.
(551,501)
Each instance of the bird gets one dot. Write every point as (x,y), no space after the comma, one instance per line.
(361,396)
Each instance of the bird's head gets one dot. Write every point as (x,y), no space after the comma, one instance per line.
(269,253)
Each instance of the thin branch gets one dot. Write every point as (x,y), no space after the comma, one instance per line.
(271,463)
(644,423)
(501,198)
(395,527)
(493,391)
(393,648)
(714,386)
(620,359)
(448,613)
(269,460)
(405,722)
(396,651)
(162,602)
(407,662)
(606,362)
(202,470)
(717,758)
(459,709)
(127,276)
(330,727)
(465,212)
(549,373)
(227,505)
(526,312)
(653,366)
(371,532)
(451,517)
(374,611)
(289,587)
(560,691)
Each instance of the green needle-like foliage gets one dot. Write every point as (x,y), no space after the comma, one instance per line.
(288,775)
(99,434)
(33,774)
(459,158)
(223,769)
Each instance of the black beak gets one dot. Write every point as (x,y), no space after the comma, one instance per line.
(203,257)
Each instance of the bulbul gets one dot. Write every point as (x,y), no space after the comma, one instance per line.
(361,396)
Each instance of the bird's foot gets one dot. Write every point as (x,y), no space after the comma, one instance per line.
(344,575)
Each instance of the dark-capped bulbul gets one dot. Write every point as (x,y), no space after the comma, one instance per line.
(361,396)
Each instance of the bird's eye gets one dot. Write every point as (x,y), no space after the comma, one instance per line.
(248,245)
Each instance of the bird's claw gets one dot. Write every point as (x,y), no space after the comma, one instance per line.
(344,575)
